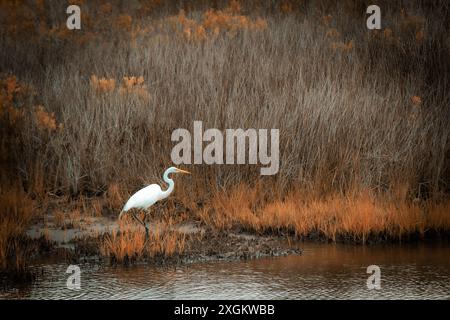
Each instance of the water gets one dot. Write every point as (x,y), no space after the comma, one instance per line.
(324,271)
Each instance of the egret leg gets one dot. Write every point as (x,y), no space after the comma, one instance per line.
(143,224)
(146,233)
(137,219)
(146,228)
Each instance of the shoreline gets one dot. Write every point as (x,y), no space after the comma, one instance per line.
(204,243)
(227,230)
(212,246)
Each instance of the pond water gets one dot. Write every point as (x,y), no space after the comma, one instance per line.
(324,271)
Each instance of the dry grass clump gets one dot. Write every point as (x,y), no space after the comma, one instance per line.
(102,85)
(438,217)
(136,86)
(115,197)
(13,96)
(342,46)
(124,245)
(358,216)
(59,219)
(75,218)
(215,22)
(16,212)
(128,243)
(46,120)
(131,86)
(8,90)
(165,241)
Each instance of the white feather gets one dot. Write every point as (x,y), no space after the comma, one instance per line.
(149,195)
(144,198)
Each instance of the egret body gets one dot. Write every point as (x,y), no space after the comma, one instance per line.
(149,195)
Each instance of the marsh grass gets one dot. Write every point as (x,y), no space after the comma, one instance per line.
(352,106)
(355,217)
(128,243)
(17,210)
(363,115)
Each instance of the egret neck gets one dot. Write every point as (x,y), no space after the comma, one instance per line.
(170,182)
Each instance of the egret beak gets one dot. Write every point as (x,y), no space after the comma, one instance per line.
(182,171)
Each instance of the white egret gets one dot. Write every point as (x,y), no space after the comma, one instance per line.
(149,195)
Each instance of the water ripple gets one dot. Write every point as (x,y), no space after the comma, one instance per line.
(323,272)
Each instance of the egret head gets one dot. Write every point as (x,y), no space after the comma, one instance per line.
(176,170)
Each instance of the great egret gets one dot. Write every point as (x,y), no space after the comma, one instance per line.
(149,195)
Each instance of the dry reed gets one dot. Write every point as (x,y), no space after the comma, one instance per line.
(357,110)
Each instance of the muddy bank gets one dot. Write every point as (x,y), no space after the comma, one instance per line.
(213,246)
(80,245)
(201,243)
(82,241)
